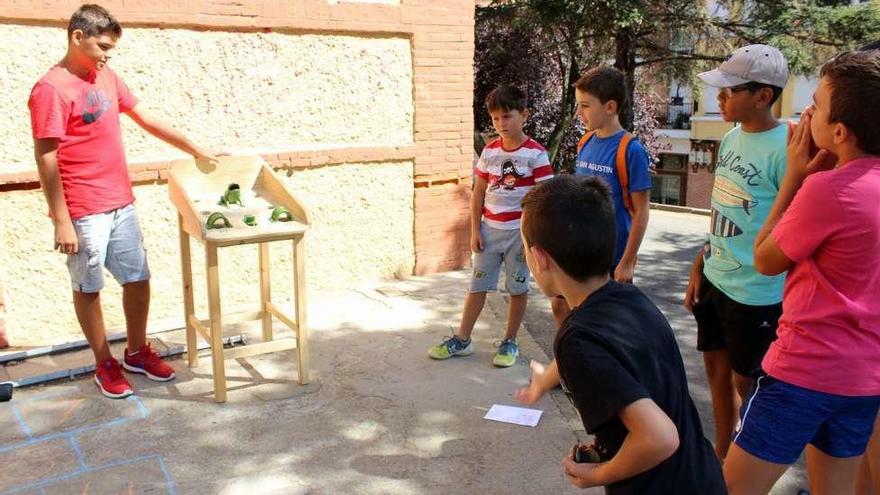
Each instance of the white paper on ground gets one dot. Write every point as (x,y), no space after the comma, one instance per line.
(515,415)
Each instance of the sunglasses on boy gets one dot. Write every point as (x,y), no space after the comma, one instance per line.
(749,86)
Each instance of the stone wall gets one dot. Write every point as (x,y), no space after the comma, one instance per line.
(366,107)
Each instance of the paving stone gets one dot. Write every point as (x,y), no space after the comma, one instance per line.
(11,429)
(35,462)
(144,476)
(54,413)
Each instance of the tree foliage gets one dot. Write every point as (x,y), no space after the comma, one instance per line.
(544,45)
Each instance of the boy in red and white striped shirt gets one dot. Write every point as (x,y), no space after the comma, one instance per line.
(508,168)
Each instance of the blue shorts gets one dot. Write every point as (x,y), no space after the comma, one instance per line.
(779,419)
(112,239)
(500,246)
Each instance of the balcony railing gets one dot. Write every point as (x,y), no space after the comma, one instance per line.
(676,116)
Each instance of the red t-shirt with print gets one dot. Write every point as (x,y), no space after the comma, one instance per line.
(83,114)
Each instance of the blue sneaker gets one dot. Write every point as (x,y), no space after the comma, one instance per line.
(507,353)
(453,346)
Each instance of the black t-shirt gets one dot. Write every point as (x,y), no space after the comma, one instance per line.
(614,349)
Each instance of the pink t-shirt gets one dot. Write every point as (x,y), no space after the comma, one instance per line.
(83,114)
(829,332)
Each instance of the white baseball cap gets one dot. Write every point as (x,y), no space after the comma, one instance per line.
(754,63)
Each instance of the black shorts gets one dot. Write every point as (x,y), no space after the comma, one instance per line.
(745,331)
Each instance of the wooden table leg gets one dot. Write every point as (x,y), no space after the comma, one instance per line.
(302,330)
(265,291)
(214,315)
(192,351)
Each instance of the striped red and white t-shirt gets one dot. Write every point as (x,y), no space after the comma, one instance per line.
(509,175)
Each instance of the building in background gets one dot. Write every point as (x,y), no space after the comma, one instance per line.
(692,128)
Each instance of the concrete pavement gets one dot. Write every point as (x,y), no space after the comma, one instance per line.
(378,418)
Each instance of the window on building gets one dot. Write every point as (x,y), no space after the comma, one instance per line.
(710,98)
(804,87)
(682,40)
(668,186)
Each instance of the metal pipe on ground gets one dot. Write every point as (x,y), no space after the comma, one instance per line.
(72,372)
(161,326)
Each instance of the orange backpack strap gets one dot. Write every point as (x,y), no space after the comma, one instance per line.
(622,173)
(586,137)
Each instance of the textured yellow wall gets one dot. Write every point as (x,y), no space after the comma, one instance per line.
(243,92)
(709,128)
(362,217)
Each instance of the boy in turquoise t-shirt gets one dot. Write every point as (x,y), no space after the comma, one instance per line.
(736,307)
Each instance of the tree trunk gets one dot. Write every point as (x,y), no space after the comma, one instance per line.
(625,60)
(566,107)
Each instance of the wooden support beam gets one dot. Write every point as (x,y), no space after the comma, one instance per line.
(212,271)
(202,327)
(302,329)
(265,291)
(283,344)
(233,318)
(281,315)
(192,356)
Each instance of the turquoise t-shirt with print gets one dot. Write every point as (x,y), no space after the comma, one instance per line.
(748,175)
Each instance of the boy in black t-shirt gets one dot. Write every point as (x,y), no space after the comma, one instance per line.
(617,357)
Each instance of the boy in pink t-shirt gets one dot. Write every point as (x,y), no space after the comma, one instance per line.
(821,386)
(75,111)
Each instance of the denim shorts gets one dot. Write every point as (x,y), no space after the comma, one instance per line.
(112,239)
(500,246)
(780,419)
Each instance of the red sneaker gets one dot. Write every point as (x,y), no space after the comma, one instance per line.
(147,362)
(108,377)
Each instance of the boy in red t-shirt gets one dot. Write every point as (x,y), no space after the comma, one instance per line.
(75,111)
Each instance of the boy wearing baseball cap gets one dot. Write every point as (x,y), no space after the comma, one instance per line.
(737,308)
